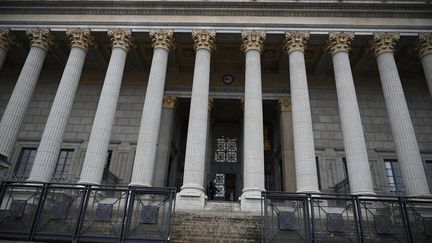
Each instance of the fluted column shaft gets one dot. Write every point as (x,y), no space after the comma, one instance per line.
(407,149)
(144,164)
(164,142)
(20,99)
(287,145)
(192,192)
(360,178)
(427,69)
(52,137)
(304,148)
(197,128)
(96,154)
(253,156)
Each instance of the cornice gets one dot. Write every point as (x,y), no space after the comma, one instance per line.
(238,8)
(275,28)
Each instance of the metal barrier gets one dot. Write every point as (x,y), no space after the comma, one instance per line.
(72,212)
(295,217)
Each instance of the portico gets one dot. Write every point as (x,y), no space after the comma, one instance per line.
(228,109)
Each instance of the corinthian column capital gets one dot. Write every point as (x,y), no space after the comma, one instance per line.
(384,42)
(339,41)
(204,39)
(423,45)
(253,40)
(285,105)
(295,41)
(162,39)
(6,39)
(121,38)
(169,101)
(40,37)
(80,38)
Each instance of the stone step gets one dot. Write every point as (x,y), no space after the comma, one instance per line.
(212,240)
(222,206)
(216,226)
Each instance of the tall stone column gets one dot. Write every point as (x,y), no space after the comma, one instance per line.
(96,155)
(424,53)
(304,148)
(144,164)
(360,178)
(192,192)
(288,159)
(164,142)
(6,40)
(253,168)
(13,117)
(407,150)
(52,137)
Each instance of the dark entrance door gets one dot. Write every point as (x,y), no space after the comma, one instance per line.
(225,164)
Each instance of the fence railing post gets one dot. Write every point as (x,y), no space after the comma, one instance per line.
(312,218)
(306,219)
(358,218)
(171,212)
(123,223)
(129,212)
(84,202)
(39,208)
(263,216)
(405,218)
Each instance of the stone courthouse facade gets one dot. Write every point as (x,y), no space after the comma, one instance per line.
(220,99)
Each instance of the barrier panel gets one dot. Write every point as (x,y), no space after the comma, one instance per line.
(72,212)
(294,217)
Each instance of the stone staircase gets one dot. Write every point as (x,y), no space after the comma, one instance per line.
(219,222)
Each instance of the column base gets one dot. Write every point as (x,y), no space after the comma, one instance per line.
(190,199)
(427,195)
(250,200)
(36,180)
(364,193)
(311,191)
(137,184)
(87,182)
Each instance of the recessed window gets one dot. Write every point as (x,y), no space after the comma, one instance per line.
(64,164)
(25,163)
(394,176)
(27,157)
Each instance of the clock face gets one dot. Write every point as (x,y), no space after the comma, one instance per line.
(227,79)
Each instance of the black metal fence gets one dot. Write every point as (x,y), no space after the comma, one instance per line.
(71,212)
(292,217)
